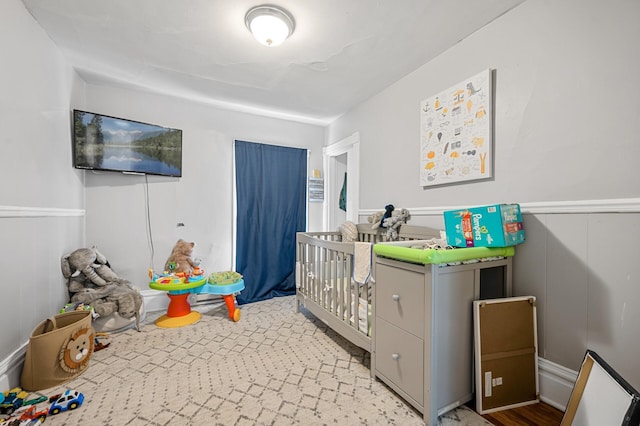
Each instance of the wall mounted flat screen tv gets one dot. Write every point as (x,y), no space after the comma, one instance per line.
(101,142)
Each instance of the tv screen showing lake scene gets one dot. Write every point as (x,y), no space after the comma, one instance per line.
(101,142)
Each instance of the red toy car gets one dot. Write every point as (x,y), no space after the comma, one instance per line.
(31,413)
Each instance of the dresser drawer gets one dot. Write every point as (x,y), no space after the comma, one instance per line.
(399,358)
(400,298)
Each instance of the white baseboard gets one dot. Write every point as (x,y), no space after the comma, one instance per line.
(154,300)
(11,368)
(556,383)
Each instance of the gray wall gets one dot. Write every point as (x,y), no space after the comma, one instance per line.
(202,199)
(566,132)
(41,196)
(566,110)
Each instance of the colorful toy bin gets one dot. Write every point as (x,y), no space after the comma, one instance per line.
(498,225)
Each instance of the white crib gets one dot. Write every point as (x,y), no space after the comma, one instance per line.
(324,285)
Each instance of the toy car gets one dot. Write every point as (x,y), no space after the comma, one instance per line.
(32,414)
(69,400)
(13,400)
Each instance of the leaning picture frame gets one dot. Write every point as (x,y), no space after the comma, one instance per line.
(601,396)
(505,353)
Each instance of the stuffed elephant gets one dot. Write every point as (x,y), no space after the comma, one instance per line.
(91,281)
(124,300)
(91,263)
(97,298)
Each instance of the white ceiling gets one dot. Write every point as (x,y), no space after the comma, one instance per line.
(341,53)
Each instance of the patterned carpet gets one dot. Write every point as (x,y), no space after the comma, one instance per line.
(273,367)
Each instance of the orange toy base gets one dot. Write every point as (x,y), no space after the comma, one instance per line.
(175,322)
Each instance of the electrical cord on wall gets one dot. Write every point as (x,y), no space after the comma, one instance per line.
(149,233)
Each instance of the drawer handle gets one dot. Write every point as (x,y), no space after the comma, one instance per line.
(395,297)
(395,356)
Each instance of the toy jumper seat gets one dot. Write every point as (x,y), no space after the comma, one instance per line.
(179,313)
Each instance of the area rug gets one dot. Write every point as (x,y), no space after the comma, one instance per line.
(273,367)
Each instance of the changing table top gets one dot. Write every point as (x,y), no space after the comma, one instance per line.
(406,251)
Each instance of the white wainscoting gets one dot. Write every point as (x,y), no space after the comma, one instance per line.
(15,211)
(622,205)
(556,383)
(11,365)
(11,368)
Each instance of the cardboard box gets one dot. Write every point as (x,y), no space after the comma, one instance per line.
(505,355)
(498,225)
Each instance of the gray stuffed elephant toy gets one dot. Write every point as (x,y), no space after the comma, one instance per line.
(91,281)
(393,223)
(91,263)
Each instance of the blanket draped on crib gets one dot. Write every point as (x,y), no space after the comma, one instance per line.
(362,262)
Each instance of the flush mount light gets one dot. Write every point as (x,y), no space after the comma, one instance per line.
(270,25)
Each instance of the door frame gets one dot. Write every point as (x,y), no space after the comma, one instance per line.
(350,146)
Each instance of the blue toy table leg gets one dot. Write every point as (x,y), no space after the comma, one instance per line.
(228,292)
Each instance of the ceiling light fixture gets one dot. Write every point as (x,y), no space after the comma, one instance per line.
(270,25)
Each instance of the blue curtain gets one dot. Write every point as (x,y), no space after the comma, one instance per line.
(271,207)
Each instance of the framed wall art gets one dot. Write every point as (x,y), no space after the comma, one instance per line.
(456,133)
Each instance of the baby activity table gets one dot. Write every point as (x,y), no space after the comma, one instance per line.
(179,311)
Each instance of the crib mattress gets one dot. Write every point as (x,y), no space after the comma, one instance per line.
(419,255)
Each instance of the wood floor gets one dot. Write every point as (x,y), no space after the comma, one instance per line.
(540,414)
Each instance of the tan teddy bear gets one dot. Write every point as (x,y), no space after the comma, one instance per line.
(180,258)
(375,219)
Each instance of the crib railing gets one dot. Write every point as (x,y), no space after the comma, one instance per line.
(406,232)
(324,266)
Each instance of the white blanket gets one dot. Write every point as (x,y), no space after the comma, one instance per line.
(361,262)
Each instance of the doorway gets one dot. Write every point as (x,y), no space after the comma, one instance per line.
(340,158)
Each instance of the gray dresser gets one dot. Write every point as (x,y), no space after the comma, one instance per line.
(423,331)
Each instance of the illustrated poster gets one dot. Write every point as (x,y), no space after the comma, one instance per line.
(456,133)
